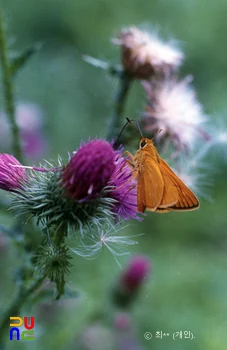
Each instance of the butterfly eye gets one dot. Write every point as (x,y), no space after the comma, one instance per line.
(143,144)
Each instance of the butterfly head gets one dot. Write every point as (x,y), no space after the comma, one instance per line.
(144,142)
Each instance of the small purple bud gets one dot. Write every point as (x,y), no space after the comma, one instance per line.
(124,332)
(122,321)
(130,281)
(11,173)
(135,273)
(89,170)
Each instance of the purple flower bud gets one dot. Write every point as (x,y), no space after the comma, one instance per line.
(122,321)
(135,273)
(130,281)
(10,176)
(89,170)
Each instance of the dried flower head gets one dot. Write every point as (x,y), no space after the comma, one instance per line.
(173,107)
(144,54)
(11,173)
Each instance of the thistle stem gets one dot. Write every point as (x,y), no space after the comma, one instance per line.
(8,92)
(14,308)
(120,100)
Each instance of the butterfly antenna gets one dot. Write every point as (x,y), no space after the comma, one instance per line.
(117,140)
(158,132)
(138,130)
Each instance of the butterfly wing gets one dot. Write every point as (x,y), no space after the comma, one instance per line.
(175,189)
(150,186)
(170,193)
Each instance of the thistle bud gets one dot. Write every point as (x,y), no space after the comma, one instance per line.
(131,280)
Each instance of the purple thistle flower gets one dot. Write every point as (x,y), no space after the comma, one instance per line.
(10,176)
(95,167)
(125,190)
(89,170)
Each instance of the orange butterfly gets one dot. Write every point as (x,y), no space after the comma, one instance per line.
(159,189)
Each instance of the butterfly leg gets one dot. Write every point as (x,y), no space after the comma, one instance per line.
(126,153)
(129,161)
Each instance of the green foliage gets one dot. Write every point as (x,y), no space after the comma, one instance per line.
(19,60)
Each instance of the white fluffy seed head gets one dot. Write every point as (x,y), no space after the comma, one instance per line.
(144,53)
(108,236)
(174,108)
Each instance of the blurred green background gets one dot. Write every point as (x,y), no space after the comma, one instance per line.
(188,284)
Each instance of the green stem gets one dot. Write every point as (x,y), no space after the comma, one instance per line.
(14,308)
(120,100)
(60,235)
(8,92)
